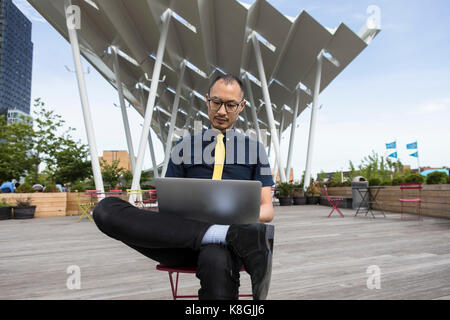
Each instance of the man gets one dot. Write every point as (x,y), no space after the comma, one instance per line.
(217,251)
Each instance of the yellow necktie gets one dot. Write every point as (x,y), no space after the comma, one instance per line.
(219,158)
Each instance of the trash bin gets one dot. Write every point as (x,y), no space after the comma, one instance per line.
(359,182)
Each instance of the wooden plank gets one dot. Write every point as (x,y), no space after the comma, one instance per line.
(315,257)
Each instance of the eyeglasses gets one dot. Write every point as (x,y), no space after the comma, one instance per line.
(230,106)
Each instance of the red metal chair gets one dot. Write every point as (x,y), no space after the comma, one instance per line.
(334,201)
(418,200)
(174,286)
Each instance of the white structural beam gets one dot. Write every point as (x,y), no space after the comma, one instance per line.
(293,126)
(151,100)
(252,106)
(150,141)
(312,126)
(173,118)
(268,106)
(71,17)
(123,109)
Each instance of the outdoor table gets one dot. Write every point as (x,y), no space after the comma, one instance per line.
(365,192)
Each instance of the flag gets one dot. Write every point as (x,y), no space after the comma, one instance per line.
(392,145)
(393,155)
(411,145)
(415,154)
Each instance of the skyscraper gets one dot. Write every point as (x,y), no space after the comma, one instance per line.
(16,58)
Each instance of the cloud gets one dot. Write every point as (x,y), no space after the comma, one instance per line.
(433,107)
(28,10)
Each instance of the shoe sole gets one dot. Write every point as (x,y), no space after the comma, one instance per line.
(262,290)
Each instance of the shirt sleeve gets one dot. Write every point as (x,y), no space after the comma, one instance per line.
(262,168)
(175,170)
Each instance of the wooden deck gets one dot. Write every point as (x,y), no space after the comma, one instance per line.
(315,257)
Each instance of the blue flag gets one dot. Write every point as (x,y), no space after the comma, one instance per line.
(393,155)
(415,154)
(392,145)
(411,145)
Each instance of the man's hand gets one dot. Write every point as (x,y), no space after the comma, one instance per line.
(266,210)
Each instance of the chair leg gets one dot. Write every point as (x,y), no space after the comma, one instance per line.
(335,207)
(174,290)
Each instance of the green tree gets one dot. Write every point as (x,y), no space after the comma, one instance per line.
(127,176)
(111,172)
(72,163)
(49,140)
(16,141)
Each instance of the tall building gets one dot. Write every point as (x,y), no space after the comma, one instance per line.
(112,155)
(16,58)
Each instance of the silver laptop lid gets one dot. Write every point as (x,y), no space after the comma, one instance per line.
(213,201)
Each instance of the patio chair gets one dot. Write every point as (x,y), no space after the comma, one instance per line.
(152,198)
(86,207)
(177,271)
(334,201)
(137,197)
(115,193)
(404,187)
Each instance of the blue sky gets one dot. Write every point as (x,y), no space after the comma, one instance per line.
(398,88)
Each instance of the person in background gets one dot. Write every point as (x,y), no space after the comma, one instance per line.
(7,187)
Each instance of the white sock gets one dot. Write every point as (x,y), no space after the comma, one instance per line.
(216,234)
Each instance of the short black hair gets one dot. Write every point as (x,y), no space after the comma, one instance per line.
(228,78)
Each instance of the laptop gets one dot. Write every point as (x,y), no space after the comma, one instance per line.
(213,201)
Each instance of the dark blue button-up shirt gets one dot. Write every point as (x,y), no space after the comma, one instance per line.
(245,158)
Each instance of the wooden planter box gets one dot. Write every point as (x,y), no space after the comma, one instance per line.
(52,204)
(435,199)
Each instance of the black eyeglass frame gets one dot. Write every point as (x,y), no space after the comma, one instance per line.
(225,103)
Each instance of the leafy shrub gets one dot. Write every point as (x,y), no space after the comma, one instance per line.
(24,202)
(313,191)
(374,182)
(50,188)
(285,189)
(437,178)
(386,183)
(4,203)
(397,181)
(78,187)
(24,188)
(416,177)
(297,190)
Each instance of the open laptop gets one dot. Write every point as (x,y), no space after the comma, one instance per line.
(213,201)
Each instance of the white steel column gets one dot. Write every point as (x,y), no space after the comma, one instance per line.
(151,100)
(173,118)
(280,132)
(123,109)
(268,105)
(293,126)
(312,126)
(253,107)
(73,38)
(150,142)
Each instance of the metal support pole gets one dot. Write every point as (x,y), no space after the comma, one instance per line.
(150,142)
(293,126)
(253,107)
(123,109)
(268,105)
(173,118)
(280,131)
(151,100)
(312,126)
(73,38)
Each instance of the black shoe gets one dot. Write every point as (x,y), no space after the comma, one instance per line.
(253,244)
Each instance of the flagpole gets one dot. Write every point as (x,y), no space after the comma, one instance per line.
(418,163)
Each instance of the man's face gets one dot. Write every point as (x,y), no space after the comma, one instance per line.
(229,93)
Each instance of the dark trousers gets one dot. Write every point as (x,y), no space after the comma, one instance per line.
(172,241)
